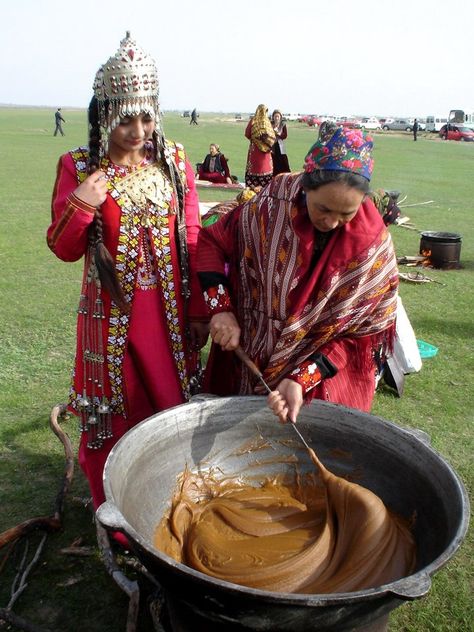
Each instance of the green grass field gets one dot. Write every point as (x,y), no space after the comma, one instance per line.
(39,295)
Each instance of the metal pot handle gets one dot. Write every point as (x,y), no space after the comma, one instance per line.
(412,587)
(109,516)
(421,435)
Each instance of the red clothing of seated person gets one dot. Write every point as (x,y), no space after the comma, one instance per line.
(214,168)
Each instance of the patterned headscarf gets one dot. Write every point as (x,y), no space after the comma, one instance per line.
(261,125)
(340,149)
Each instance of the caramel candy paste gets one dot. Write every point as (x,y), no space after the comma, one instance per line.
(317,533)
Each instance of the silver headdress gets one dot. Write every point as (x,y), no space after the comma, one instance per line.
(128,84)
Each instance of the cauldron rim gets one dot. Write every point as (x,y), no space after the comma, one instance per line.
(441,236)
(408,587)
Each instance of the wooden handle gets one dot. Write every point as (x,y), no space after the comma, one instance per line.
(240,353)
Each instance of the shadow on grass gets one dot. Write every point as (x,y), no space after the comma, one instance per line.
(467,265)
(64,592)
(448,328)
(33,467)
(67,592)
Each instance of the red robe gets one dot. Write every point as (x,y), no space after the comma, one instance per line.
(259,163)
(290,306)
(216,177)
(147,361)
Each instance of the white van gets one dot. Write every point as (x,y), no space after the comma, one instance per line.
(461,117)
(469,119)
(434,122)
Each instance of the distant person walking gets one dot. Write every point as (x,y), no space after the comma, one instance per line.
(416,127)
(194,118)
(58,118)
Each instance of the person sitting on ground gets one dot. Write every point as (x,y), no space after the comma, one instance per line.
(386,204)
(214,168)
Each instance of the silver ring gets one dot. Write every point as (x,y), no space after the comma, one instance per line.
(101,178)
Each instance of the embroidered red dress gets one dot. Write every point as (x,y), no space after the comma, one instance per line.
(146,358)
(295,298)
(214,169)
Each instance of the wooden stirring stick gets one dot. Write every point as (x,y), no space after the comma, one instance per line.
(240,353)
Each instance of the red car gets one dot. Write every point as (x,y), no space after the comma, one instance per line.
(457,132)
(349,123)
(311,120)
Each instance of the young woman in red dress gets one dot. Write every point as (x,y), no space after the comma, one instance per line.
(127,205)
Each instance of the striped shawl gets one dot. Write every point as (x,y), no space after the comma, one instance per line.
(288,307)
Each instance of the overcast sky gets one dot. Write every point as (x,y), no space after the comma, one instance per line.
(366,57)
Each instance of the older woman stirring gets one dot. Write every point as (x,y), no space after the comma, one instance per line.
(311,290)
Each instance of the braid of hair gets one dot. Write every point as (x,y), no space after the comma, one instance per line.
(94,137)
(156,146)
(179,189)
(102,257)
(181,234)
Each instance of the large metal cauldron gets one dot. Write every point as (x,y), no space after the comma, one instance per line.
(399,465)
(444,249)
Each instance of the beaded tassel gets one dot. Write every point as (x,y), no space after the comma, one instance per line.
(85,407)
(94,406)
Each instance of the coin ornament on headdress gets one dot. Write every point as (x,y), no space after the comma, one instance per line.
(127,85)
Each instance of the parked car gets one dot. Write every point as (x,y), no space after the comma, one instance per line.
(312,120)
(186,114)
(370,123)
(348,122)
(290,117)
(398,125)
(457,132)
